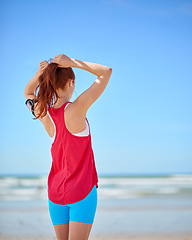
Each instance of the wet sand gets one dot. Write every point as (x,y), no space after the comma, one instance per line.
(183,236)
(157,218)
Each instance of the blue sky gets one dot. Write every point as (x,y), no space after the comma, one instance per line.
(142,123)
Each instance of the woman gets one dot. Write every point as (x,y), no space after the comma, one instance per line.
(73,180)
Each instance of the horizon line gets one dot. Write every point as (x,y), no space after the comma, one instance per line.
(100,175)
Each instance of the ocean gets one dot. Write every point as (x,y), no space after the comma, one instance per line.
(24,188)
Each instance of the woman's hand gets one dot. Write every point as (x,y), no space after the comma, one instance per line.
(42,66)
(62,60)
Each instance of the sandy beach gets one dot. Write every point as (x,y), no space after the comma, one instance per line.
(157,218)
(183,236)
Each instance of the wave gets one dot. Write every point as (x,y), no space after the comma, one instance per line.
(15,188)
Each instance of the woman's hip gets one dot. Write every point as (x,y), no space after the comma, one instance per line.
(81,211)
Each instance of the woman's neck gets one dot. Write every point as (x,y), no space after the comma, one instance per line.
(60,102)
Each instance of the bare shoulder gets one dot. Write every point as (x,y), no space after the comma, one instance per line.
(75,110)
(75,120)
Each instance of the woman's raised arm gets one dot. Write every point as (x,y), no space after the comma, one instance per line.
(89,96)
(95,68)
(32,84)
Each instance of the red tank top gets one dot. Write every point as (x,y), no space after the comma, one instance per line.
(73,173)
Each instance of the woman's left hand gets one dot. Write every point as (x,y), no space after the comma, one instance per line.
(42,66)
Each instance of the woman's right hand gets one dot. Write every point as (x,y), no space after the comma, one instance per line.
(62,60)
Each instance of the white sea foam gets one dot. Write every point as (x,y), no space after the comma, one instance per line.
(21,188)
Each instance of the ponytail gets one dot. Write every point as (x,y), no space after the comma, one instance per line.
(53,78)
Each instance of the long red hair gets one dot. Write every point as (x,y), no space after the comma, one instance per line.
(53,78)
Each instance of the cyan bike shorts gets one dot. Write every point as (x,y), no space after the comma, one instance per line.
(81,211)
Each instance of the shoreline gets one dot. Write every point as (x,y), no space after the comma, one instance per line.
(140,236)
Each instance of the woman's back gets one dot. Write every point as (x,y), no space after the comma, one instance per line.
(73,173)
(85,132)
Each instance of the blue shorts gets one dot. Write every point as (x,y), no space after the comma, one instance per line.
(81,211)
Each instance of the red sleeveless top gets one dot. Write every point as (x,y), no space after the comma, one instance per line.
(73,173)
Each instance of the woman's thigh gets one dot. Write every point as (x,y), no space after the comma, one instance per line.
(81,216)
(84,210)
(59,213)
(62,231)
(79,230)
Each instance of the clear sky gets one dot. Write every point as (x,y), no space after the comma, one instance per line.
(142,123)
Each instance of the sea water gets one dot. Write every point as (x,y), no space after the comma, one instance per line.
(25,188)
